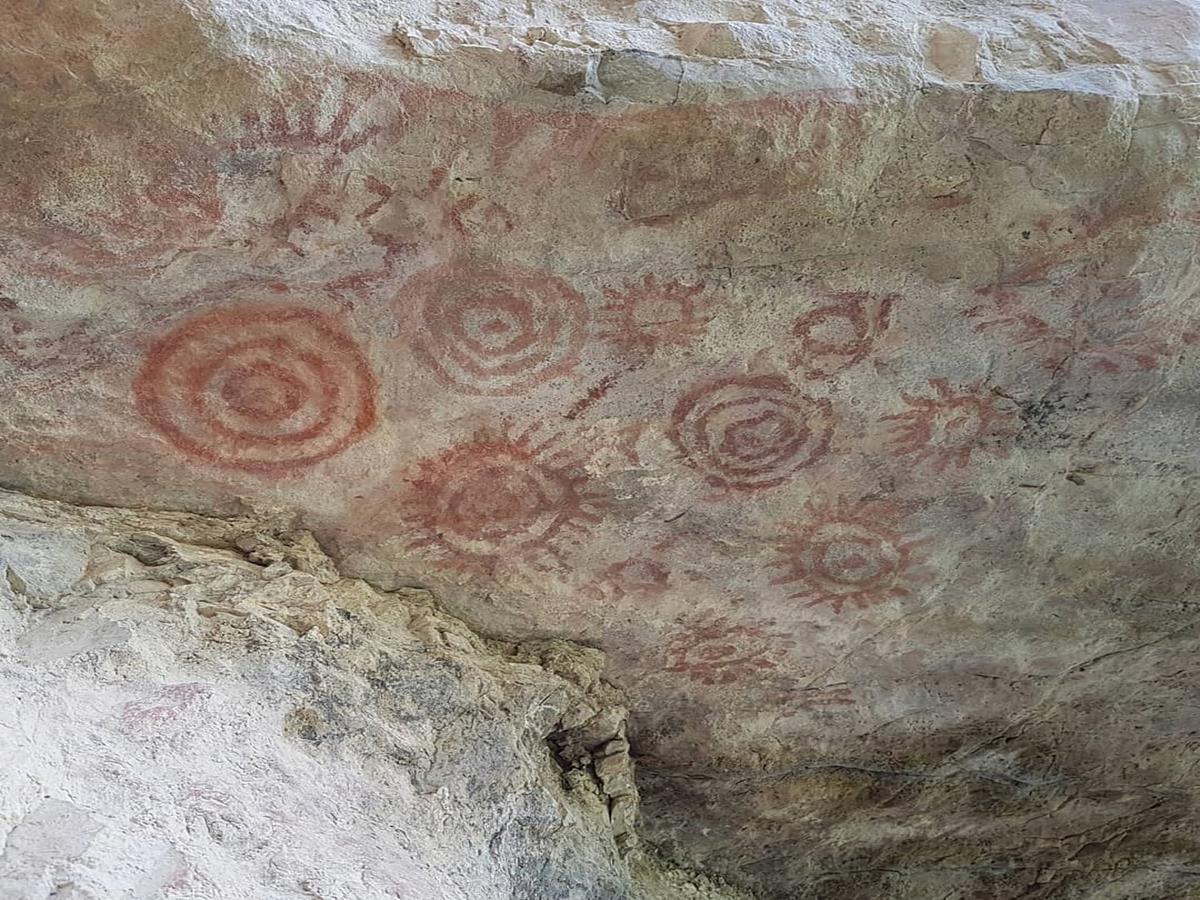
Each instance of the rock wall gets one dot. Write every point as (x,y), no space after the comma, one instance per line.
(205,709)
(830,365)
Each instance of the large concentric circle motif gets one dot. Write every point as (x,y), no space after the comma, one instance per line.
(261,389)
(487,330)
(750,432)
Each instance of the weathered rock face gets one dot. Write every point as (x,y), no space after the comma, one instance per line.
(831,367)
(236,720)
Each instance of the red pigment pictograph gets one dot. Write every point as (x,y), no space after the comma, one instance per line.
(498,500)
(267,389)
(1065,308)
(488,330)
(721,651)
(52,351)
(164,706)
(637,578)
(684,160)
(947,428)
(447,207)
(850,554)
(135,211)
(312,144)
(648,314)
(1100,327)
(748,432)
(837,335)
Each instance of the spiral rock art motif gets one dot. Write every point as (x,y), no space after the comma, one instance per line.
(850,554)
(262,389)
(500,499)
(486,330)
(947,428)
(750,432)
(719,651)
(835,336)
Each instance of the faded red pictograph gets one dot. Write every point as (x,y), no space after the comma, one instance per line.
(749,432)
(310,146)
(838,334)
(498,500)
(718,650)
(50,351)
(452,208)
(636,578)
(851,554)
(269,389)
(1098,324)
(683,160)
(115,206)
(947,428)
(163,706)
(646,315)
(1079,297)
(487,330)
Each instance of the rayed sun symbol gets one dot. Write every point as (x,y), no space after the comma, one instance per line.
(497,500)
(855,554)
(650,314)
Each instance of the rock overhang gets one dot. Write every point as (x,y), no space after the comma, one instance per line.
(828,368)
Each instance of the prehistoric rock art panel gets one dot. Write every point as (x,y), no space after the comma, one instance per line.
(750,432)
(645,315)
(482,329)
(855,554)
(718,650)
(499,500)
(1079,300)
(838,334)
(946,429)
(264,389)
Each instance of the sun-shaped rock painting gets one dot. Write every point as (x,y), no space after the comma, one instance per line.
(856,554)
(499,500)
(650,314)
(947,428)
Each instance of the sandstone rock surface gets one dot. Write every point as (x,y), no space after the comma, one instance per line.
(830,366)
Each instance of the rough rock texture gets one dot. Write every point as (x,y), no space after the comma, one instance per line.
(235,720)
(831,366)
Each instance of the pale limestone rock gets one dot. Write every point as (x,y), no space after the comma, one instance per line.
(244,732)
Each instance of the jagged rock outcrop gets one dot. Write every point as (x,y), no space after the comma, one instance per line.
(194,708)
